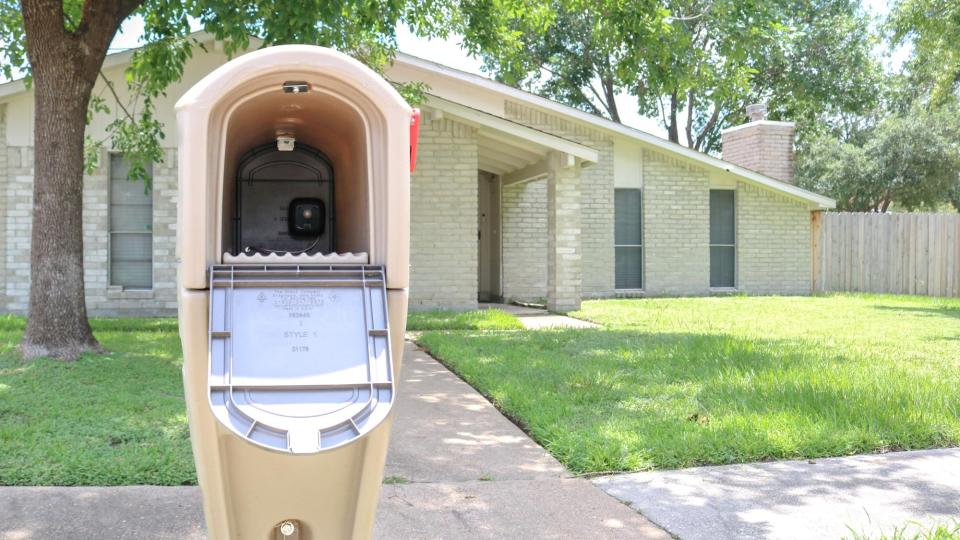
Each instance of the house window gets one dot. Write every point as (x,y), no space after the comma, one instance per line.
(723,249)
(131,228)
(628,238)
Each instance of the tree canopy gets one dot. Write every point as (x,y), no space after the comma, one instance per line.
(696,64)
(910,159)
(365,30)
(933,28)
(904,152)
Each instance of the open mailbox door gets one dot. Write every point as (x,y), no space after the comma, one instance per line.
(325,331)
(293,241)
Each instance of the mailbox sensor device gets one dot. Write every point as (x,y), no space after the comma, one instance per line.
(306,217)
(285,143)
(296,87)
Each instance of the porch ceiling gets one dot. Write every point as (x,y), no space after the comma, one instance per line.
(505,147)
(502,157)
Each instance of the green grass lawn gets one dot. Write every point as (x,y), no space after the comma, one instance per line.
(679,382)
(108,420)
(119,418)
(664,383)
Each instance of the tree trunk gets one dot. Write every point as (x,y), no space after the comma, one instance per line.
(57,324)
(673,131)
(64,65)
(610,92)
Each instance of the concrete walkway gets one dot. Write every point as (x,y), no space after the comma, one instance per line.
(473,474)
(825,498)
(537,318)
(456,469)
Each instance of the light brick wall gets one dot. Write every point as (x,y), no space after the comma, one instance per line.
(676,226)
(96,237)
(596,195)
(102,299)
(443,217)
(3,205)
(18,218)
(564,254)
(597,224)
(443,229)
(764,147)
(773,242)
(523,216)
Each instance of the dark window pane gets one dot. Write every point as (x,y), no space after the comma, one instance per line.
(722,216)
(124,190)
(628,235)
(629,267)
(131,211)
(722,266)
(131,247)
(628,217)
(132,275)
(131,217)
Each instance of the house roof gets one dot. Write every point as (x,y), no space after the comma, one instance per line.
(505,147)
(610,126)
(533,100)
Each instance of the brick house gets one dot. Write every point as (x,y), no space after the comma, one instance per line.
(515,197)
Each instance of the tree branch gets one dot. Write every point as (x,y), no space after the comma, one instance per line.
(116,97)
(99,24)
(672,132)
(711,123)
(573,84)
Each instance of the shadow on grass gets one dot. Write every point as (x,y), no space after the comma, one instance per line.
(604,400)
(942,311)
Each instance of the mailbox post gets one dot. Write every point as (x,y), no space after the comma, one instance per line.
(293,242)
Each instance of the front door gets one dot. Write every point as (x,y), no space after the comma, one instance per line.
(488,237)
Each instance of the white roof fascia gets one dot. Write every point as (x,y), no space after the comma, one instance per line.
(486,120)
(12,88)
(111,60)
(543,103)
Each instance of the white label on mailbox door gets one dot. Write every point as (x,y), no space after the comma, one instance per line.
(299,335)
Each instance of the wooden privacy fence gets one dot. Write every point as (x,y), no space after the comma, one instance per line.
(887,253)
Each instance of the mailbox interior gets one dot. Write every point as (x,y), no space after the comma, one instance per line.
(321,120)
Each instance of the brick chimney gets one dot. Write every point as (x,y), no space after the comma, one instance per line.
(761,145)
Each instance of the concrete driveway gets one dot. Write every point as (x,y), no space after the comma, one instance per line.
(823,498)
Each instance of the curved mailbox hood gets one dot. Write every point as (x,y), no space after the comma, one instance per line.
(348,111)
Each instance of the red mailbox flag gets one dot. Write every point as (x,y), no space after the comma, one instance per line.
(414,137)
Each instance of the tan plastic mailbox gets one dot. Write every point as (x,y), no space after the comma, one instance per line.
(293,241)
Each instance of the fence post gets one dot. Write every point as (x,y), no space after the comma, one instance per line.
(816,220)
